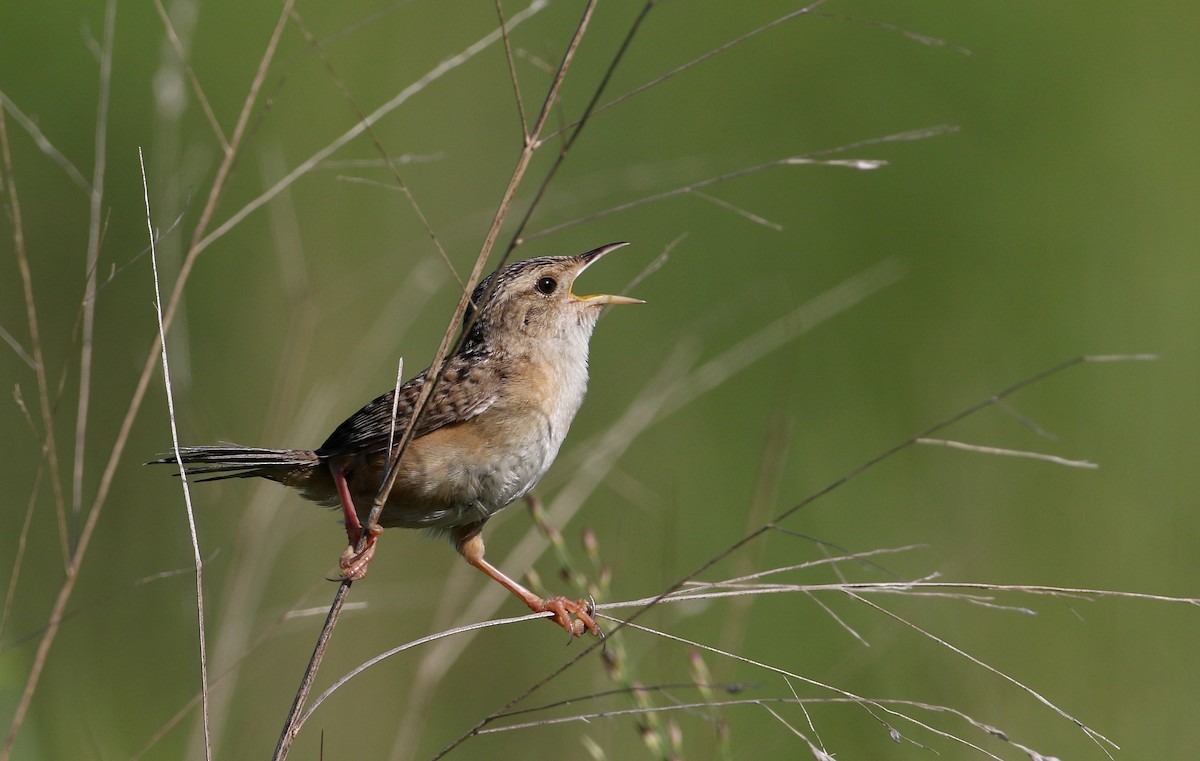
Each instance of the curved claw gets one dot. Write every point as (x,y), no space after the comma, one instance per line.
(574,616)
(354,563)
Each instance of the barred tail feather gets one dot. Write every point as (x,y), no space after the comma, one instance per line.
(233,461)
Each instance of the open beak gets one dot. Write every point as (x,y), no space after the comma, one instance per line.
(590,258)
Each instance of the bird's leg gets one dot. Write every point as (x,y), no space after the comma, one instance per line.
(352,562)
(469,542)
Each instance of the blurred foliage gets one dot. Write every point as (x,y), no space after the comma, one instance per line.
(1059,220)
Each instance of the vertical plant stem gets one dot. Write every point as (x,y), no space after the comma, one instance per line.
(93,255)
(291,725)
(106,478)
(187,493)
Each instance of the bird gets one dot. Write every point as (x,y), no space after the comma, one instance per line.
(489,431)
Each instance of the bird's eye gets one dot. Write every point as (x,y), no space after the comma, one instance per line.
(546,285)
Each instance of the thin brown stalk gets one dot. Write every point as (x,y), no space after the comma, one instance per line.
(375,141)
(122,437)
(197,90)
(49,451)
(359,669)
(43,143)
(870,705)
(230,670)
(692,63)
(600,457)
(95,213)
(785,514)
(512,69)
(731,587)
(923,39)
(766,489)
(675,390)
(49,446)
(18,349)
(694,187)
(532,140)
(291,725)
(1095,736)
(437,72)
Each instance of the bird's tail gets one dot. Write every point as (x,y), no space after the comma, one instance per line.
(293,467)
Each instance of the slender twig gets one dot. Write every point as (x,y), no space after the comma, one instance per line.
(519,232)
(118,448)
(443,351)
(387,157)
(950,444)
(17,348)
(49,452)
(923,39)
(693,187)
(93,256)
(868,704)
(43,142)
(197,90)
(395,407)
(1095,736)
(267,634)
(408,646)
(784,515)
(512,70)
(291,724)
(437,72)
(198,560)
(694,62)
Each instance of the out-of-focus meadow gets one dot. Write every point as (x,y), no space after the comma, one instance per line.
(1058,218)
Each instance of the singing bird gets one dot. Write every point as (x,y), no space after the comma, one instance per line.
(488,433)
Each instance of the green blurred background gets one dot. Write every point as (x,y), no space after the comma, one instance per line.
(1060,220)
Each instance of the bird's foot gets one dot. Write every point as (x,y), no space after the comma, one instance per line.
(354,562)
(575,616)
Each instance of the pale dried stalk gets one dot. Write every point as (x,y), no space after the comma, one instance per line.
(118,448)
(95,210)
(291,725)
(197,559)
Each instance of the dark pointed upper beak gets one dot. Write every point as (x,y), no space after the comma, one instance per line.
(590,258)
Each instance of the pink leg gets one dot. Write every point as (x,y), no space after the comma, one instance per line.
(576,616)
(352,562)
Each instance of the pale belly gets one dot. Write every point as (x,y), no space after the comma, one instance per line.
(464,473)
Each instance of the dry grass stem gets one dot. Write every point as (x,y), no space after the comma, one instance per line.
(197,90)
(96,209)
(464,629)
(755,218)
(1096,737)
(949,444)
(436,366)
(600,457)
(393,168)
(512,70)
(49,452)
(434,74)
(769,526)
(197,558)
(83,540)
(45,405)
(923,39)
(695,61)
(692,187)
(868,704)
(43,143)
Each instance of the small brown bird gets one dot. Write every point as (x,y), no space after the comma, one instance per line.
(487,435)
